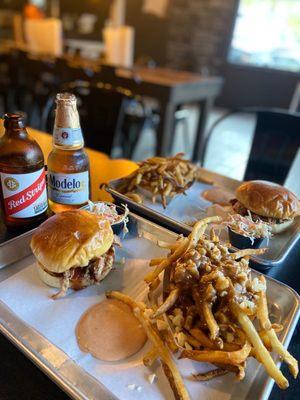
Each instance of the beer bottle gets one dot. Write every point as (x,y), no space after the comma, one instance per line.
(68,164)
(23,193)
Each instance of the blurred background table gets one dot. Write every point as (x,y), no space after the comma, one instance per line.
(36,78)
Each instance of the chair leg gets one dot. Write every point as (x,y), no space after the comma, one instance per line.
(186,138)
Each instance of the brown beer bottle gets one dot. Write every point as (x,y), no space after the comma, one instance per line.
(23,193)
(68,163)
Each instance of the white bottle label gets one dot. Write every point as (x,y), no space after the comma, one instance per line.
(68,188)
(67,136)
(25,195)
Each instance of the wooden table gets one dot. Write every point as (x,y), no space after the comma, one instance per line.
(170,88)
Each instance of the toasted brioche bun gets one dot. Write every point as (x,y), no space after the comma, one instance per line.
(71,239)
(50,280)
(268,199)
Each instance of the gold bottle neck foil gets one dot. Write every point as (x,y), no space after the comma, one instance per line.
(67,132)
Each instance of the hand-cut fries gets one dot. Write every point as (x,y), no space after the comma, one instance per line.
(236,357)
(169,365)
(150,357)
(207,376)
(170,301)
(210,306)
(164,177)
(262,314)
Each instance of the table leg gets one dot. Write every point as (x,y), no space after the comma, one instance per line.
(165,129)
(205,107)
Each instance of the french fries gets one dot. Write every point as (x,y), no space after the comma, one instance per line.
(207,376)
(163,177)
(219,356)
(135,197)
(270,333)
(209,312)
(261,352)
(125,299)
(182,247)
(169,365)
(169,302)
(247,252)
(150,357)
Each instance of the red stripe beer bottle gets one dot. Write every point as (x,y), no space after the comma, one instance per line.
(23,192)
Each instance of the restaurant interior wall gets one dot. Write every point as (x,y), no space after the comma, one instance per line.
(193,35)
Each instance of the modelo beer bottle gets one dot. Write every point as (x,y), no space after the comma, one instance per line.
(68,164)
(23,193)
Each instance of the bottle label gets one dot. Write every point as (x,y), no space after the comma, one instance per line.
(67,136)
(24,195)
(68,188)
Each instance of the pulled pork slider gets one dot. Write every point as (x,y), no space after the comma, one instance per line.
(74,249)
(267,202)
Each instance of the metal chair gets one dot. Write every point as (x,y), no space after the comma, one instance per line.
(275,143)
(294,105)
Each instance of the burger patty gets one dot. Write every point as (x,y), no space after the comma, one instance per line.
(94,272)
(242,210)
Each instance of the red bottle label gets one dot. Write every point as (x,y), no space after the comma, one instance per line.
(25,195)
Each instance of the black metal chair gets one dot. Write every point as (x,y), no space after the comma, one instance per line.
(275,143)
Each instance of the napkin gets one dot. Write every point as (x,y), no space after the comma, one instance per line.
(119,45)
(44,36)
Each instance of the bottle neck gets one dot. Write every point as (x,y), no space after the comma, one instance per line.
(14,126)
(67,132)
(16,132)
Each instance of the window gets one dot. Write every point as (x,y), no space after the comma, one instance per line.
(267,34)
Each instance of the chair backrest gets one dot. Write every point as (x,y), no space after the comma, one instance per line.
(100,107)
(275,144)
(295,102)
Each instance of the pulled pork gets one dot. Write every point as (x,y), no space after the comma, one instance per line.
(242,210)
(80,277)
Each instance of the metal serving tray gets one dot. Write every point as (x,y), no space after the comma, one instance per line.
(71,375)
(13,247)
(185,209)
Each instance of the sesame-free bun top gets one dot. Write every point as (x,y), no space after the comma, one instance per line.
(268,199)
(71,239)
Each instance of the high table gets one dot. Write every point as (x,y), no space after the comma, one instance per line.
(173,89)
(21,380)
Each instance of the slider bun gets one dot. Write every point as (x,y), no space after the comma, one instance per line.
(71,239)
(268,199)
(50,280)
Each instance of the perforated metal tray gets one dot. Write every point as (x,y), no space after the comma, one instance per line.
(13,247)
